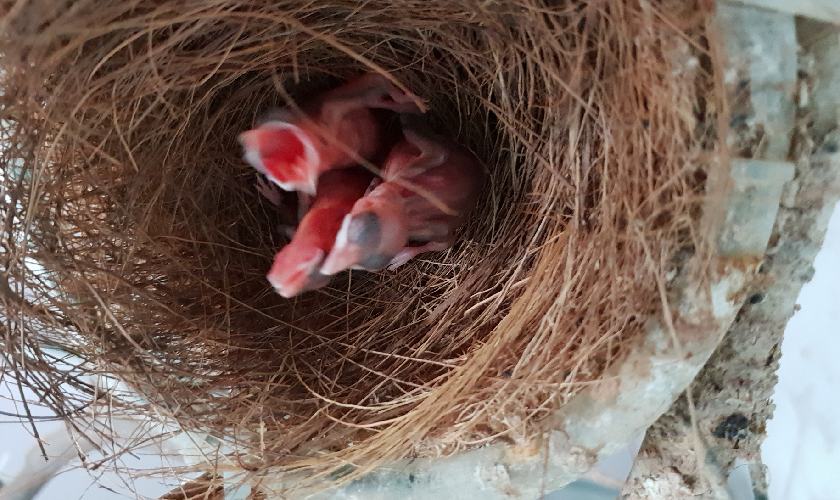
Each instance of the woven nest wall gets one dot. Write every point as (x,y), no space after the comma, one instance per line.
(134,239)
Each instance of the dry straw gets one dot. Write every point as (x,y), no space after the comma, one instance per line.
(133,238)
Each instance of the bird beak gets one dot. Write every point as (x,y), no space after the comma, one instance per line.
(313,185)
(278,287)
(339,257)
(337,261)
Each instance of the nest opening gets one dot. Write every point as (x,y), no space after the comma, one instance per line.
(151,244)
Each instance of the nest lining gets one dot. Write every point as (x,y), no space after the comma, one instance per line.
(124,185)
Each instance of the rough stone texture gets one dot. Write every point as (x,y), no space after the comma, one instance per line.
(732,395)
(823,42)
(760,50)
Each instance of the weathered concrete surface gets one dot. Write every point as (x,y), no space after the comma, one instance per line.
(825,10)
(732,395)
(760,78)
(823,44)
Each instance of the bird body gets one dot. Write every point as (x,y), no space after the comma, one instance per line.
(296,266)
(335,130)
(429,186)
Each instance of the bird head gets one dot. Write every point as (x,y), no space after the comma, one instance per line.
(295,270)
(285,153)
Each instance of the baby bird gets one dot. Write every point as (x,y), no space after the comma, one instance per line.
(293,148)
(430,185)
(296,266)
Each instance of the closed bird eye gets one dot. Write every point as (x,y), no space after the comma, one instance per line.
(365,230)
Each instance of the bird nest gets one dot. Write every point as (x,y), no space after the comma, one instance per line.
(135,244)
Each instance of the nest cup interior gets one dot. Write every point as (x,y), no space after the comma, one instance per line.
(154,243)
